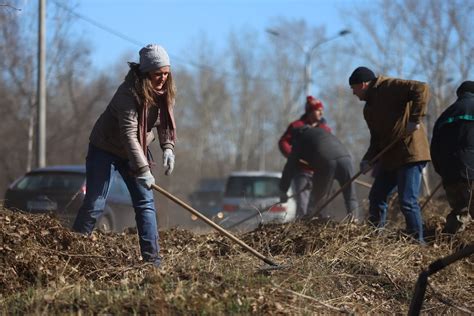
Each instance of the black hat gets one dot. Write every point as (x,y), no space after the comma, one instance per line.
(361,74)
(466,86)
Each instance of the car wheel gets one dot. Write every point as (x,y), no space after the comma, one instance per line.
(105,223)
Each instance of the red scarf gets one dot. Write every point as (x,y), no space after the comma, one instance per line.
(143,129)
(166,119)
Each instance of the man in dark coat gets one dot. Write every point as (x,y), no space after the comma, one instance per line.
(452,151)
(393,111)
(302,180)
(323,151)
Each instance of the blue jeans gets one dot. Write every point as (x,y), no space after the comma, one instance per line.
(408,179)
(98,180)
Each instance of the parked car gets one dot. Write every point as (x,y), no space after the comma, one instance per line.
(255,195)
(61,189)
(207,198)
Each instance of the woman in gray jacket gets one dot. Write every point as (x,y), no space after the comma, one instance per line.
(120,138)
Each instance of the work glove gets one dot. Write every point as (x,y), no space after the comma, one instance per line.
(412,126)
(283,197)
(146,179)
(364,166)
(168,161)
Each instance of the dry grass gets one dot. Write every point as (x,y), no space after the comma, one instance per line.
(332,268)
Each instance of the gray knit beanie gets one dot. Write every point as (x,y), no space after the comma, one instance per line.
(153,57)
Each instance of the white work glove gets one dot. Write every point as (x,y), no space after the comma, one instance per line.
(412,126)
(146,179)
(364,166)
(168,161)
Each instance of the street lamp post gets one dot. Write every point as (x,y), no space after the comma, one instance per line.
(308,51)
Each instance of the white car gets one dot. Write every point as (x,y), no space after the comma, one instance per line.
(252,197)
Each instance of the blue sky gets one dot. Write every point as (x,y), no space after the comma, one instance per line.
(177,23)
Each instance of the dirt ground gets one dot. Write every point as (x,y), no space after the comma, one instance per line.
(330,268)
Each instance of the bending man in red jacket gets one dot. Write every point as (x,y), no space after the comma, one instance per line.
(302,179)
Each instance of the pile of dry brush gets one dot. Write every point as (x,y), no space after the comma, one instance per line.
(330,268)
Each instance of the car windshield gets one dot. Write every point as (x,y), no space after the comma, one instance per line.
(252,187)
(51,181)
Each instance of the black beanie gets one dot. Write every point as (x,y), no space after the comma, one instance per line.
(361,74)
(466,86)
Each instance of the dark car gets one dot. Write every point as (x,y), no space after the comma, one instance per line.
(207,198)
(61,189)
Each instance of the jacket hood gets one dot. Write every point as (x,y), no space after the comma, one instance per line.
(133,76)
(132,80)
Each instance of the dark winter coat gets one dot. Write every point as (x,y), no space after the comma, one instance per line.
(313,145)
(391,104)
(452,145)
(117,129)
(285,140)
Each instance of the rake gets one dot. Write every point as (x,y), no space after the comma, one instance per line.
(371,162)
(272,265)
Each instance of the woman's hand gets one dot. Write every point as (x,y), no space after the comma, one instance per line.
(168,161)
(146,179)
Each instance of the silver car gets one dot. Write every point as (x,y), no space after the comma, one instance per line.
(252,197)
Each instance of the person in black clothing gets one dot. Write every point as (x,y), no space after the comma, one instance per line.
(322,150)
(452,152)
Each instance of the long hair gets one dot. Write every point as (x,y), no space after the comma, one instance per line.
(148,93)
(144,90)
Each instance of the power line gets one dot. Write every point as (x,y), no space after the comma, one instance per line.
(140,44)
(99,25)
(9,6)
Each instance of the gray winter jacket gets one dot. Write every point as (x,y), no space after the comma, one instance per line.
(117,129)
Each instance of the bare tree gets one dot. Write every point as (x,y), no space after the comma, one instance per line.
(425,40)
(422,40)
(342,110)
(254,105)
(202,116)
(74,96)
(18,94)
(286,64)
